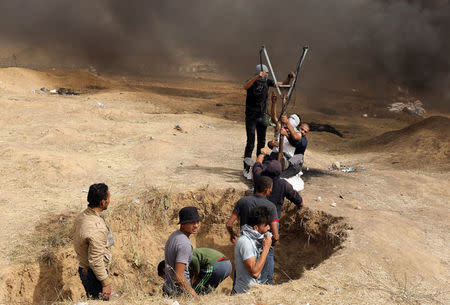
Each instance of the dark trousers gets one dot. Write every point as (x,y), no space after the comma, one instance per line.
(260,126)
(92,285)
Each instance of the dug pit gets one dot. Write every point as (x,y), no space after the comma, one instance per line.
(141,228)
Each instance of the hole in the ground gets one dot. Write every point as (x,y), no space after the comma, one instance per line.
(141,228)
(307,237)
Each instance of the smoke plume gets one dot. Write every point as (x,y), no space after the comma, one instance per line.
(405,40)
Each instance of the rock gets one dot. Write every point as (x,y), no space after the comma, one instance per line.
(333,204)
(336,165)
(319,198)
(358,207)
(365,115)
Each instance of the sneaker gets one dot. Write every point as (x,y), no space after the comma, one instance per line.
(249,162)
(248,173)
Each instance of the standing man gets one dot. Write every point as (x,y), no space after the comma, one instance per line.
(178,254)
(263,187)
(255,110)
(252,249)
(91,239)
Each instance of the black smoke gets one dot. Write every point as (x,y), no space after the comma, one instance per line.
(405,40)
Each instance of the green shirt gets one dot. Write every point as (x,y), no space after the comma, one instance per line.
(202,258)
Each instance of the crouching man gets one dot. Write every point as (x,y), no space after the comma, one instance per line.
(178,254)
(91,240)
(207,269)
(252,248)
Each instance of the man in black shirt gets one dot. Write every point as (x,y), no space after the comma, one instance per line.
(255,110)
(281,188)
(263,187)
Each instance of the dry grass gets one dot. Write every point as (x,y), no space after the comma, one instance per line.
(141,227)
(50,235)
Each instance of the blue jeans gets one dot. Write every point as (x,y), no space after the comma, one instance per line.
(267,272)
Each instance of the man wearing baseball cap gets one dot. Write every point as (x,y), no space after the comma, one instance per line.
(178,254)
(257,89)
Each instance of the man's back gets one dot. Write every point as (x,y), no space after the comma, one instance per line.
(245,204)
(90,233)
(281,188)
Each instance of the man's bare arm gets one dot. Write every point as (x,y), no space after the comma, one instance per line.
(233,235)
(292,133)
(181,279)
(255,267)
(252,80)
(288,79)
(276,235)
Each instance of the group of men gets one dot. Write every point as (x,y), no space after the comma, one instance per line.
(198,271)
(256,120)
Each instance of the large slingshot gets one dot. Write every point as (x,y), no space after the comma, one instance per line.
(285,97)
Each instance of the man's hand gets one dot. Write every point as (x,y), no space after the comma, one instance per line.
(233,237)
(285,119)
(273,143)
(291,75)
(267,241)
(106,292)
(265,150)
(284,132)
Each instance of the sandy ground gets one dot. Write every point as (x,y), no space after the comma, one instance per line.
(120,130)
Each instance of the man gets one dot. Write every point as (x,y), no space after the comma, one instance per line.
(208,268)
(252,249)
(91,239)
(294,141)
(178,254)
(257,89)
(281,188)
(263,187)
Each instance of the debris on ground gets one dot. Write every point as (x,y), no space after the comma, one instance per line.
(347,169)
(60,91)
(358,207)
(365,115)
(100,104)
(337,166)
(413,108)
(67,91)
(178,128)
(333,204)
(319,198)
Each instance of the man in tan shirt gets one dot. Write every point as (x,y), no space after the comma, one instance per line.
(91,240)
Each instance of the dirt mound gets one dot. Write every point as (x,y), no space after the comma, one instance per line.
(141,228)
(422,144)
(22,80)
